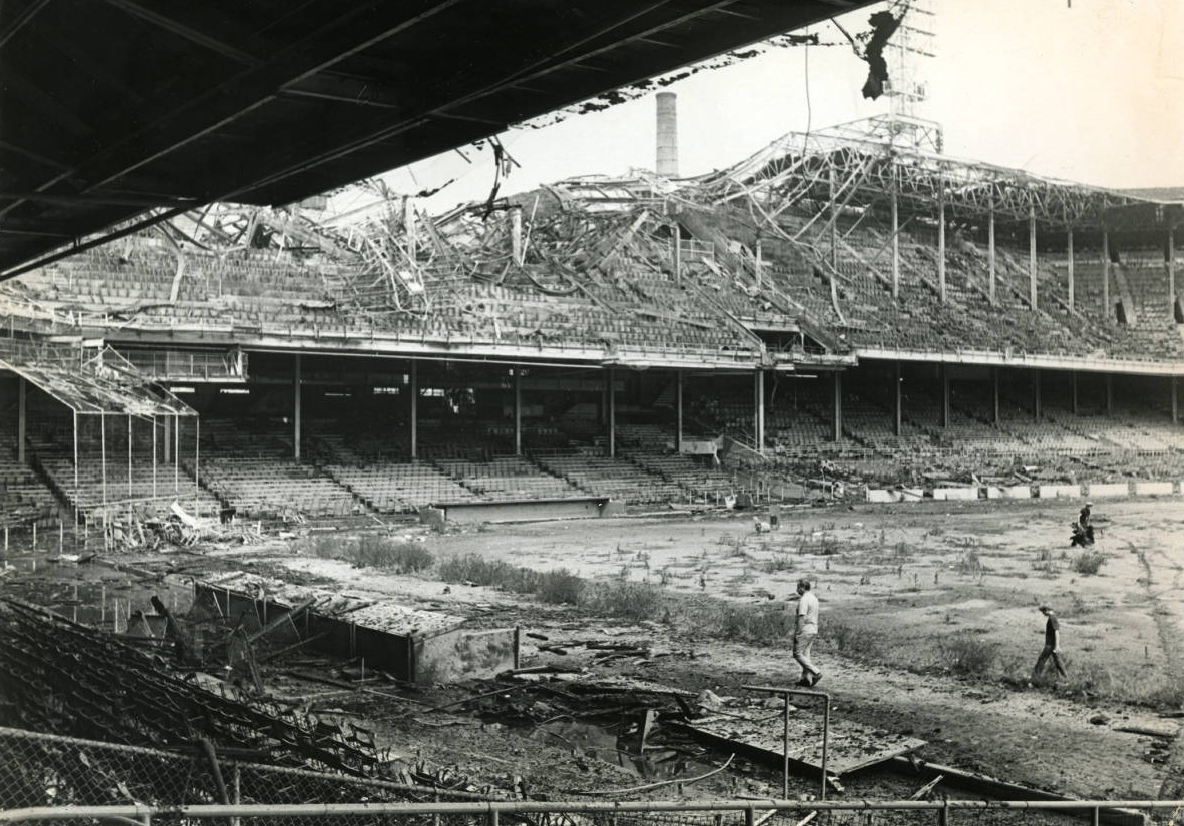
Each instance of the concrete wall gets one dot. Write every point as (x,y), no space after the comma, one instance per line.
(454,654)
(1060,491)
(883,496)
(1155,489)
(955,494)
(1115,491)
(465,654)
(1022,492)
(465,513)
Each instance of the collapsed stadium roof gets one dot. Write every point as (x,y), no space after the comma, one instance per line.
(178,105)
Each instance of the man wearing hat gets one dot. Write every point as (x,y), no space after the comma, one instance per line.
(1052,644)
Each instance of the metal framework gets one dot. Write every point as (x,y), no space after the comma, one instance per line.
(874,166)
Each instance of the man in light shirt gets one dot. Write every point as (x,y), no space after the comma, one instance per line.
(805,629)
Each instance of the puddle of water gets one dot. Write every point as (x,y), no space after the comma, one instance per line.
(92,595)
(617,744)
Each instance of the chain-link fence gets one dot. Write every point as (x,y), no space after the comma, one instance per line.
(69,780)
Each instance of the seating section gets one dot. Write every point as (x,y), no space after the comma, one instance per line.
(507,478)
(398,486)
(24,499)
(613,477)
(266,487)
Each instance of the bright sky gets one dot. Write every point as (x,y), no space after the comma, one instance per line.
(1086,90)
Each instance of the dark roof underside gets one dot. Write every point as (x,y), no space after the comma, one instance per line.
(111,107)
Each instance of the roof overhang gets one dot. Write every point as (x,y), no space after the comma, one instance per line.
(113,107)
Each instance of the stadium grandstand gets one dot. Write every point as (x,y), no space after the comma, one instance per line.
(841,306)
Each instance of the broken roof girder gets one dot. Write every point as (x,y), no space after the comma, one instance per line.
(806,165)
(103,384)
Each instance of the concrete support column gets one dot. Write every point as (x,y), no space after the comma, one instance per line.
(168,439)
(1032,257)
(897,404)
(612,411)
(296,408)
(837,435)
(941,243)
(895,242)
(21,419)
(518,410)
(1037,396)
(995,396)
(1109,394)
(991,254)
(413,414)
(676,254)
(944,410)
(1069,246)
(758,405)
(1107,310)
(1076,406)
(678,405)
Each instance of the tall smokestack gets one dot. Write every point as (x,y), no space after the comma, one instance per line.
(667,135)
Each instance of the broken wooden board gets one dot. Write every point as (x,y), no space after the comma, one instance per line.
(851,746)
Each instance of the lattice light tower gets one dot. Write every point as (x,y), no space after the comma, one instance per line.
(910,55)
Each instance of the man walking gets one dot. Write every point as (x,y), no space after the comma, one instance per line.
(805,629)
(1052,644)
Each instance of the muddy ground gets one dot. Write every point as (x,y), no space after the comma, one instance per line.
(929,628)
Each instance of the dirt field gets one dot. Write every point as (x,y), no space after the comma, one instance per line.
(929,628)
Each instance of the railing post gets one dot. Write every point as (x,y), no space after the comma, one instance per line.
(750,816)
(943,814)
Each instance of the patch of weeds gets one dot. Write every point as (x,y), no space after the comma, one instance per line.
(628,600)
(389,555)
(479,570)
(851,640)
(321,546)
(1089,562)
(559,587)
(901,550)
(969,564)
(779,563)
(965,652)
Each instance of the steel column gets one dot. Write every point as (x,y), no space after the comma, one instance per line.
(103,449)
(1171,273)
(837,436)
(944,411)
(1076,406)
(1109,394)
(518,410)
(177,453)
(77,501)
(1175,400)
(995,396)
(897,411)
(758,391)
(678,404)
(1107,310)
(1069,243)
(991,253)
(153,457)
(941,243)
(1032,258)
(130,495)
(296,407)
(1037,400)
(21,420)
(414,413)
(612,412)
(895,240)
